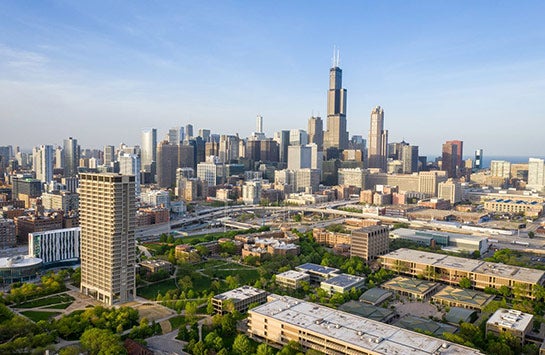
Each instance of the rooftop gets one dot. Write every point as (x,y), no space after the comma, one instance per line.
(423,324)
(470,265)
(344,280)
(239,294)
(366,310)
(457,314)
(293,275)
(510,318)
(474,298)
(318,269)
(401,283)
(360,332)
(19,261)
(375,295)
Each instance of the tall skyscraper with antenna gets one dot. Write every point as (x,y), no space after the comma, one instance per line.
(336,135)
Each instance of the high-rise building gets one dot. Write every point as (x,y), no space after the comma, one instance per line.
(167,163)
(478,159)
(175,135)
(378,140)
(59,158)
(370,242)
(450,190)
(500,168)
(204,134)
(71,157)
(107,220)
(109,155)
(409,158)
(129,164)
(42,158)
(298,137)
(316,131)
(149,149)
(451,160)
(336,135)
(228,148)
(188,131)
(283,140)
(259,124)
(536,174)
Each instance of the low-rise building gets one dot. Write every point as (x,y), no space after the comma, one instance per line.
(318,273)
(19,268)
(154,266)
(449,240)
(292,279)
(330,331)
(240,298)
(465,298)
(365,310)
(342,283)
(55,247)
(529,208)
(370,242)
(412,288)
(451,269)
(7,233)
(511,321)
(375,296)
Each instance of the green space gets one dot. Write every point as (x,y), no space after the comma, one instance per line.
(245,275)
(59,306)
(151,291)
(37,316)
(47,301)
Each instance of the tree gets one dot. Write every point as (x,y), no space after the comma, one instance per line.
(242,345)
(264,349)
(531,234)
(429,273)
(102,341)
(465,282)
(191,310)
(214,341)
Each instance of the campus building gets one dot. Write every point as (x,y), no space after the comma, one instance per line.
(241,298)
(510,321)
(107,218)
(451,269)
(55,247)
(285,319)
(292,279)
(370,242)
(318,273)
(342,283)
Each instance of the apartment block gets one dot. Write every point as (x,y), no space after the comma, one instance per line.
(370,242)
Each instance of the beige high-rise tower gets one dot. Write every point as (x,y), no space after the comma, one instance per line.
(336,135)
(378,140)
(107,220)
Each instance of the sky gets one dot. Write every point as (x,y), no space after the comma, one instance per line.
(101,71)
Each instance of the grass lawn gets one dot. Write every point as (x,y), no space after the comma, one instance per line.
(150,292)
(37,316)
(62,298)
(59,306)
(245,275)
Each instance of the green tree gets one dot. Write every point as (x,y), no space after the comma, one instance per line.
(191,310)
(465,282)
(264,349)
(242,345)
(102,341)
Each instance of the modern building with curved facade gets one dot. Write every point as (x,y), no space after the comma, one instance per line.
(19,268)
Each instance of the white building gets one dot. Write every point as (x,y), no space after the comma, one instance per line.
(450,190)
(211,171)
(42,159)
(55,246)
(536,174)
(129,164)
(155,198)
(251,192)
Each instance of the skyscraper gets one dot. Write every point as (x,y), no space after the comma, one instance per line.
(188,131)
(107,219)
(42,158)
(336,135)
(259,124)
(378,140)
(129,164)
(452,157)
(316,131)
(149,149)
(283,140)
(478,159)
(71,157)
(109,155)
(167,163)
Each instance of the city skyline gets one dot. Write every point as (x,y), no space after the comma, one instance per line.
(79,70)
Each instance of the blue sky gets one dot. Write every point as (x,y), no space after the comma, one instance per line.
(102,71)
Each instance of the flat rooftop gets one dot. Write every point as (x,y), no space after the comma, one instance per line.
(359,332)
(411,233)
(344,280)
(516,273)
(293,275)
(474,298)
(240,294)
(318,269)
(510,318)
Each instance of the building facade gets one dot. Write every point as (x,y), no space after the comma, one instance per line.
(107,218)
(370,242)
